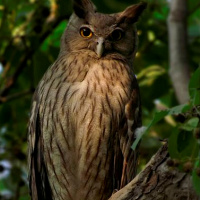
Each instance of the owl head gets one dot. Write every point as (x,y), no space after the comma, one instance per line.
(102,35)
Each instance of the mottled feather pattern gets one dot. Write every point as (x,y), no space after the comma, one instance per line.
(84,115)
(102,95)
(96,92)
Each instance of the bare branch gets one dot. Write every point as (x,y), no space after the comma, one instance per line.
(158,181)
(28,55)
(179,63)
(16,96)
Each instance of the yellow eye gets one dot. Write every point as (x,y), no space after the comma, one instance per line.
(86,32)
(117,34)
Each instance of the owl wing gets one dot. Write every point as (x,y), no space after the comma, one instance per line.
(38,177)
(125,157)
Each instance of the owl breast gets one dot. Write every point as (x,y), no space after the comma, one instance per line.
(87,111)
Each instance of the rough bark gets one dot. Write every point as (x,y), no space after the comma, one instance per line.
(179,64)
(158,181)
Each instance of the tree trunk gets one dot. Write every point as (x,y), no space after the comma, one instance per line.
(179,64)
(158,181)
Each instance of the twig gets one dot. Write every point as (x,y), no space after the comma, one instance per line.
(22,63)
(15,96)
(156,180)
(194,9)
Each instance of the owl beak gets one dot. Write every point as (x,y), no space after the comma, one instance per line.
(100,47)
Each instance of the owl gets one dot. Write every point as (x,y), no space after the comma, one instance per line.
(86,109)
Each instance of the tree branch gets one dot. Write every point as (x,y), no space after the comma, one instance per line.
(179,64)
(158,181)
(10,82)
(15,96)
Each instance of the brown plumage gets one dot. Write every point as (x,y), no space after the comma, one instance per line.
(86,109)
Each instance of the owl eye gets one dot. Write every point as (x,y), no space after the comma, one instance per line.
(86,32)
(117,34)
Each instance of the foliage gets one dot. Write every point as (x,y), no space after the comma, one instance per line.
(30,33)
(184,140)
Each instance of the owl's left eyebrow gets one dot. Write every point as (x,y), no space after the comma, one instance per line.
(87,26)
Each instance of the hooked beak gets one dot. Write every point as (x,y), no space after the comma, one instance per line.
(100,47)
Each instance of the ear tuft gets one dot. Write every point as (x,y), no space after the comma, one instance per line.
(132,13)
(82,7)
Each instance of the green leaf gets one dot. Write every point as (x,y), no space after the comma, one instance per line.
(2,185)
(159,116)
(194,87)
(182,144)
(183,140)
(191,124)
(55,37)
(179,109)
(196,178)
(148,75)
(173,152)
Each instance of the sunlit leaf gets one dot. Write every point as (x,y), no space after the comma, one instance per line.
(55,38)
(191,124)
(159,116)
(179,109)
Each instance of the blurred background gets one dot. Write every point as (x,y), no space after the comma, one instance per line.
(30,32)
